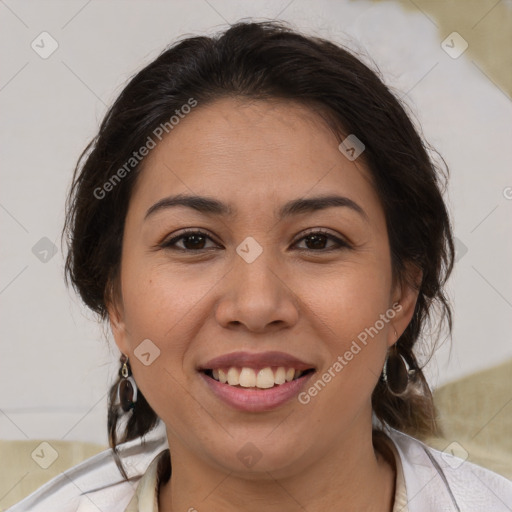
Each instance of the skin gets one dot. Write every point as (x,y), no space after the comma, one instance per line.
(257,155)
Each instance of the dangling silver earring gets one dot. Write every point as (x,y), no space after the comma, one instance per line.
(127,389)
(396,373)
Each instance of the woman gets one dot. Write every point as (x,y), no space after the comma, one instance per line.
(264,230)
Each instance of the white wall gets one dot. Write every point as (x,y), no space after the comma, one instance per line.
(55,364)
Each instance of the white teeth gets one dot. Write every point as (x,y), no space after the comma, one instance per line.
(249,378)
(265,378)
(233,377)
(280,376)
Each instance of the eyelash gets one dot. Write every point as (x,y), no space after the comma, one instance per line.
(170,244)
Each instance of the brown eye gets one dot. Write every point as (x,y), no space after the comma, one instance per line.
(196,241)
(192,241)
(316,241)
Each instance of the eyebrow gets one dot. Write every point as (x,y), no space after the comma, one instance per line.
(210,206)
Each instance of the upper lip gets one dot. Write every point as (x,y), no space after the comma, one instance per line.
(256,360)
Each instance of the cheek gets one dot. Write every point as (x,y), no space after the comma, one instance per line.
(354,318)
(157,298)
(153,305)
(353,298)
(158,306)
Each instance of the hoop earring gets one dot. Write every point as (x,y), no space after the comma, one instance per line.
(127,389)
(396,373)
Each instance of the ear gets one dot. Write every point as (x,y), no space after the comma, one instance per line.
(115,309)
(403,301)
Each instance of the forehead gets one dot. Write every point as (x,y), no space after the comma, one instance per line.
(252,152)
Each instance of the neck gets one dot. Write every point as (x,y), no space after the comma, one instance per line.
(352,476)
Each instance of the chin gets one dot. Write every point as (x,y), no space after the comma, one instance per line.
(255,459)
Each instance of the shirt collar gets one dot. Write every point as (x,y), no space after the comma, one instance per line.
(400,499)
(145,498)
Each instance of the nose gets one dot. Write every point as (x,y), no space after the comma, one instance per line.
(258,296)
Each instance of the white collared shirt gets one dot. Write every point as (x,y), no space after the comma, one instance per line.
(145,498)
(427,481)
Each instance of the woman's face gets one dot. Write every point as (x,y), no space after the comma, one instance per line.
(255,283)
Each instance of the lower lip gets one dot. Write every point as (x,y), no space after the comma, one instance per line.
(254,399)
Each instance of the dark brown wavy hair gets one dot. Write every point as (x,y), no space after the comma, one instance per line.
(270,60)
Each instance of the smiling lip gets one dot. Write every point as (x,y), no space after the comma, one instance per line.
(256,361)
(253,399)
(256,399)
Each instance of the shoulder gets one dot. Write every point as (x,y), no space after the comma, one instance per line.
(437,480)
(96,484)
